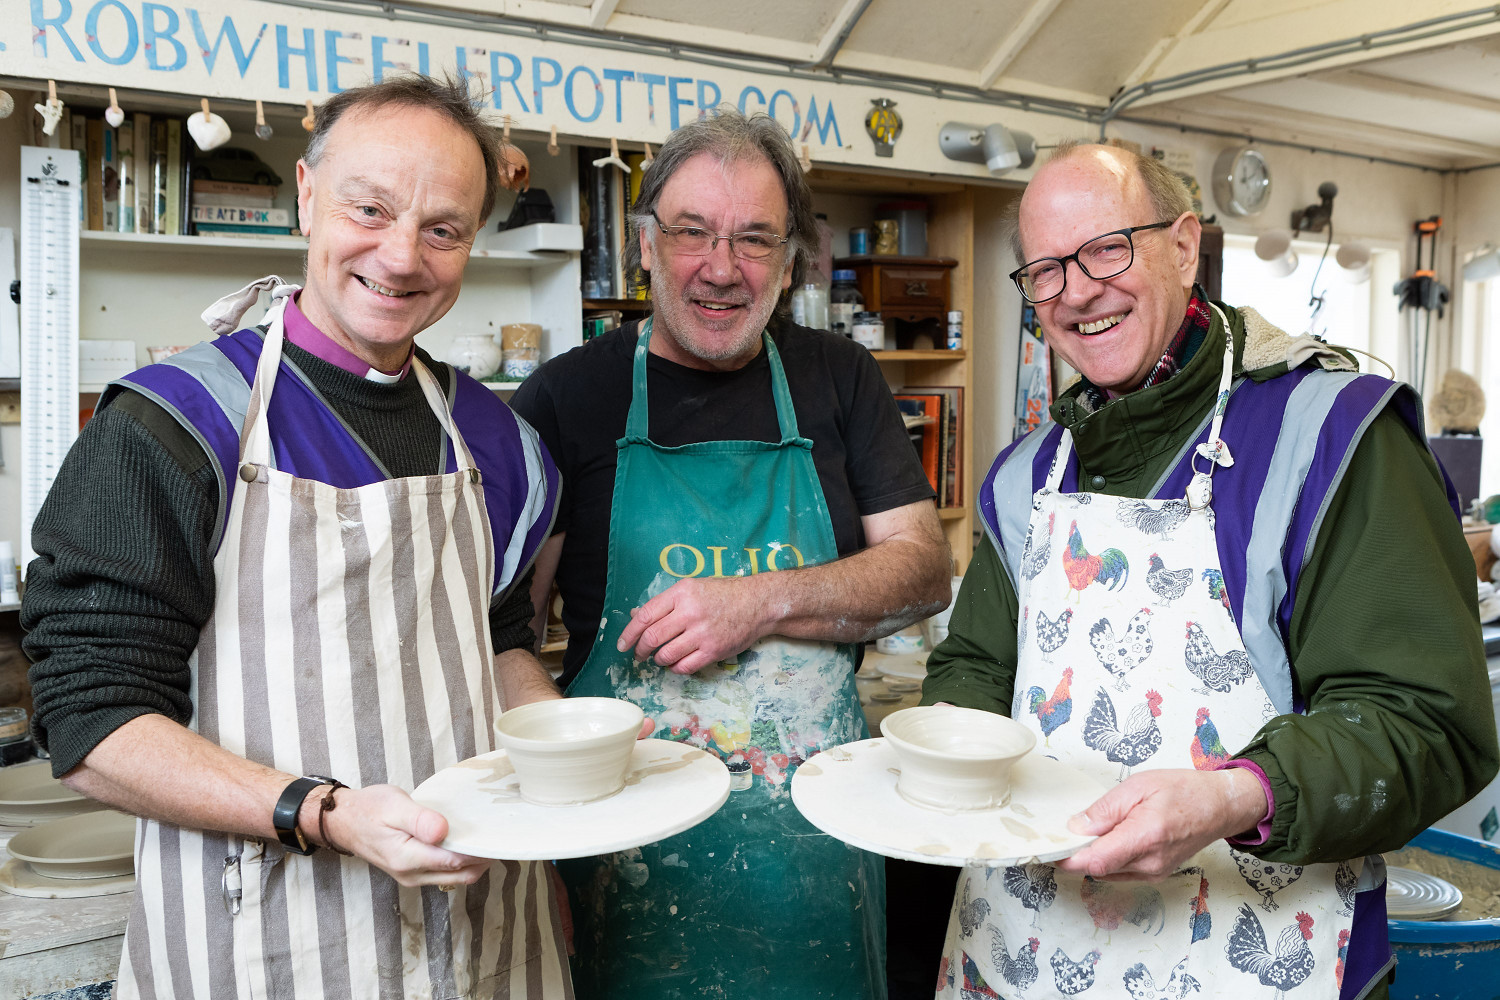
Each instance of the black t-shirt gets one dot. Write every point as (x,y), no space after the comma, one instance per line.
(578,403)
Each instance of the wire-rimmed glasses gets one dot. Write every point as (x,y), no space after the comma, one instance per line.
(695,241)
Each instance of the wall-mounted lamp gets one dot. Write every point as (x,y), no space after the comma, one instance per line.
(1315,218)
(1000,149)
(1353,259)
(1483,264)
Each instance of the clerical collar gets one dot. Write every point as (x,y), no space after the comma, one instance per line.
(301,331)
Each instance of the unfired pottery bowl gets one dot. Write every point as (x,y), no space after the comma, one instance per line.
(90,845)
(955,758)
(570,750)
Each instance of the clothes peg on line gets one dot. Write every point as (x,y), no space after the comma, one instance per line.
(114,114)
(208,130)
(552,148)
(648,159)
(51,112)
(613,159)
(309,120)
(262,130)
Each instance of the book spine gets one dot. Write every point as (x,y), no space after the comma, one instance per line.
(232,200)
(173,213)
(145,190)
(125,166)
(109,171)
(230,227)
(159,176)
(241,215)
(243,191)
(95,161)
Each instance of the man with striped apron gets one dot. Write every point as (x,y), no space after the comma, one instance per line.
(1148,636)
(350,630)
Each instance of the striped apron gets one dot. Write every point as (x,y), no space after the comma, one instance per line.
(350,636)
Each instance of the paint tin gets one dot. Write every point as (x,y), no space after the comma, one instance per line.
(859,241)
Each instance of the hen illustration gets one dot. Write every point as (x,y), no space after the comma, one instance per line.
(1203,921)
(1216,589)
(1051,634)
(1218,671)
(1035,551)
(1285,968)
(974,987)
(1074,977)
(1034,885)
(1140,985)
(1265,877)
(1122,654)
(1054,711)
(1153,520)
(1109,567)
(1168,584)
(1346,884)
(1338,969)
(1020,971)
(1110,904)
(971,912)
(1131,746)
(1207,750)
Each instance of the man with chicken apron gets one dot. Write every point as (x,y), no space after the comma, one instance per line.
(1188,592)
(282,580)
(764,512)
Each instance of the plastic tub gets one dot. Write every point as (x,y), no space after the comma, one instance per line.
(1448,959)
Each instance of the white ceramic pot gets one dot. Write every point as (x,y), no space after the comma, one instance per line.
(570,750)
(955,758)
(476,354)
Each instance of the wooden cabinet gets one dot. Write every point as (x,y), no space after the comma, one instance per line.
(912,289)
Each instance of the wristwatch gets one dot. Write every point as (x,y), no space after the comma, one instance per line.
(284,816)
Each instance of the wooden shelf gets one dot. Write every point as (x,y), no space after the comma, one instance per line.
(943,355)
(953,513)
(623,305)
(294,245)
(554,647)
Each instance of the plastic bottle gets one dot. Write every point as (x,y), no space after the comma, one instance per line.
(844,301)
(810,302)
(8,594)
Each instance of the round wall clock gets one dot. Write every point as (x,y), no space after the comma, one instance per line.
(1242,181)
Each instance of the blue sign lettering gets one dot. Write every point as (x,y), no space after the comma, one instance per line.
(226,31)
(745,98)
(132,34)
(538,85)
(515,74)
(155,37)
(823,124)
(706,103)
(598,94)
(796,110)
(331,59)
(652,81)
(40,22)
(618,76)
(285,52)
(676,100)
(380,62)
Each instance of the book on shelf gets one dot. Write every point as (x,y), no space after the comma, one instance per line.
(937,433)
(601,321)
(94,160)
(231,229)
(600,212)
(78,126)
(109,176)
(260,195)
(231,200)
(125,168)
(145,176)
(928,409)
(240,215)
(180,156)
(159,176)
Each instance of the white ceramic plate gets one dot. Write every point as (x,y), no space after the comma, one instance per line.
(90,845)
(850,794)
(17,879)
(30,795)
(669,788)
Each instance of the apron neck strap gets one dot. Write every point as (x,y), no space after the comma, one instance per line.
(637,424)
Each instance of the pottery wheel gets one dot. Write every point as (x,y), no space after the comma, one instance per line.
(18,879)
(1414,895)
(850,794)
(669,788)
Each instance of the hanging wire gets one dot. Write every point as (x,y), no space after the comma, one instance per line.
(1314,300)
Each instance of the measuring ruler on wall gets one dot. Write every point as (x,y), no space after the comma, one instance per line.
(50,200)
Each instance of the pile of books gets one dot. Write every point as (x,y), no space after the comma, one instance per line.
(135,176)
(934,420)
(241,211)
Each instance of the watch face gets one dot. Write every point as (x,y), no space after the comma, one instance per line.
(1242,181)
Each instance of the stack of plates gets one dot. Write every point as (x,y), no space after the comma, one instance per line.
(91,854)
(1414,895)
(30,795)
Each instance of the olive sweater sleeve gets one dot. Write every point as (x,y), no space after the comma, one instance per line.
(975,667)
(1388,660)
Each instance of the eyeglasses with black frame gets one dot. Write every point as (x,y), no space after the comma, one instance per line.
(695,241)
(1105,256)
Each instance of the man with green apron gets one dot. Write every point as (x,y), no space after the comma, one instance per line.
(765,512)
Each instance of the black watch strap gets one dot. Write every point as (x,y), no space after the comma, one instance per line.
(284,816)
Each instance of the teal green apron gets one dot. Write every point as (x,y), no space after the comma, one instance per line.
(754,902)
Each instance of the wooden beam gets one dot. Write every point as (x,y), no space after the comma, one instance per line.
(1012,44)
(601,11)
(1388,85)
(838,30)
(1204,15)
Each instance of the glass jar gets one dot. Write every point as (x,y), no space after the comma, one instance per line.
(844,301)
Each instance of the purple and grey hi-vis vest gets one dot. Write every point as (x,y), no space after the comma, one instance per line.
(207,389)
(1292,438)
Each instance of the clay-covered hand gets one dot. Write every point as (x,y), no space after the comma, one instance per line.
(1151,823)
(386,827)
(696,622)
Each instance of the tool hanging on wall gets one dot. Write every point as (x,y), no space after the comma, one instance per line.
(208,130)
(613,159)
(114,114)
(1424,295)
(52,111)
(262,130)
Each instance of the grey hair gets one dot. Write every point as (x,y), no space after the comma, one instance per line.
(1166,189)
(448,97)
(729,137)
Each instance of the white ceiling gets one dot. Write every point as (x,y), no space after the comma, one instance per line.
(1427,93)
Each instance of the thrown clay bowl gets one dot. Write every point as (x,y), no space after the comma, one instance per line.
(955,758)
(570,750)
(90,845)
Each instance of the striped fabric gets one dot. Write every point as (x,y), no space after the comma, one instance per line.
(349,637)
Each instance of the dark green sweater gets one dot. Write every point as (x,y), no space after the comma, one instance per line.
(1384,640)
(123,580)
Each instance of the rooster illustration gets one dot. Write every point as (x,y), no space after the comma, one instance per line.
(1111,903)
(1129,747)
(1285,968)
(1265,877)
(1203,921)
(1020,971)
(971,912)
(1050,635)
(1034,885)
(1054,711)
(1216,588)
(1140,985)
(1109,567)
(1122,654)
(1074,977)
(1152,520)
(1345,883)
(1207,750)
(1338,970)
(1168,584)
(1035,551)
(1218,672)
(974,987)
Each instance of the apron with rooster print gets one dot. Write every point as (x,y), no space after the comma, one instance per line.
(1130,658)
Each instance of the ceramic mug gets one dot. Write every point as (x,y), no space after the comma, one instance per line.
(570,750)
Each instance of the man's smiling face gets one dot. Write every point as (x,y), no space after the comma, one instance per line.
(390,211)
(1112,331)
(708,312)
